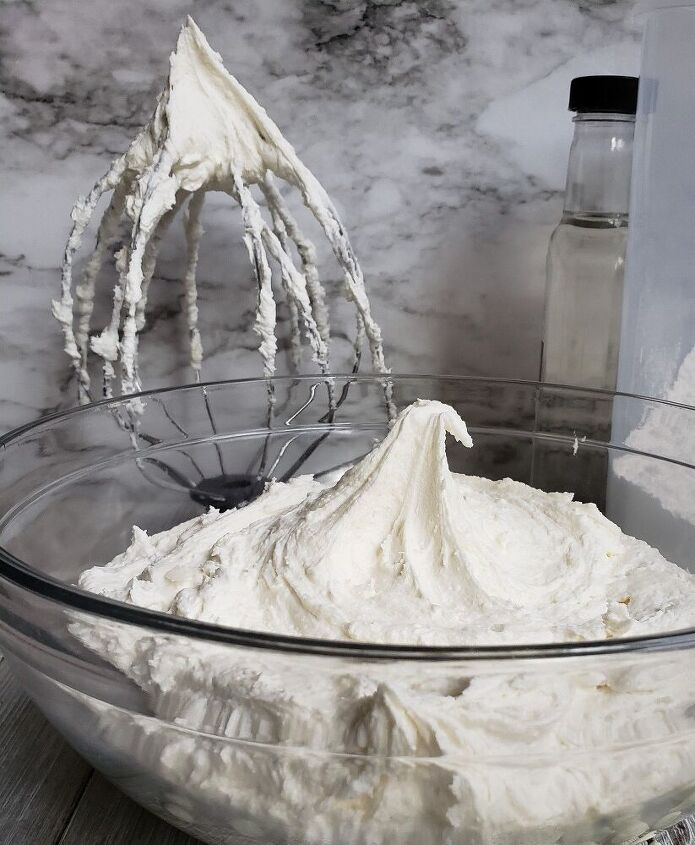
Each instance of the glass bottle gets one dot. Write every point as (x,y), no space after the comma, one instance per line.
(584,285)
(586,255)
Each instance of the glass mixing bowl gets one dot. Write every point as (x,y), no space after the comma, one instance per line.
(247,737)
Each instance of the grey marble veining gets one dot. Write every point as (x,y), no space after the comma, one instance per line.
(439,128)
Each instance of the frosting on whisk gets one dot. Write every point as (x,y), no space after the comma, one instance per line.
(207,134)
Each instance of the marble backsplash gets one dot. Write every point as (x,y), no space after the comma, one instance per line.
(438,127)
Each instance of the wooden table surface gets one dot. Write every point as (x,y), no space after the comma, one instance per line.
(50,796)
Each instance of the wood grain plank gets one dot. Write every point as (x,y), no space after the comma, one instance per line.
(104,816)
(41,777)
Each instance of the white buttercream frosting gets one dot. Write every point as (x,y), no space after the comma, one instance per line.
(276,747)
(402,550)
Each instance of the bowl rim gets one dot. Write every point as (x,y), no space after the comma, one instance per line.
(73,598)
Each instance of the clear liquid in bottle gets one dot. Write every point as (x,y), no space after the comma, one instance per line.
(585,268)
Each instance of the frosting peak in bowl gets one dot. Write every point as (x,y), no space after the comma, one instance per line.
(402,550)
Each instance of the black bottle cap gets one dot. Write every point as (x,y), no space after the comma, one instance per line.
(617,94)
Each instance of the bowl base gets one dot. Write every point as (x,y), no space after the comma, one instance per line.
(228,491)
